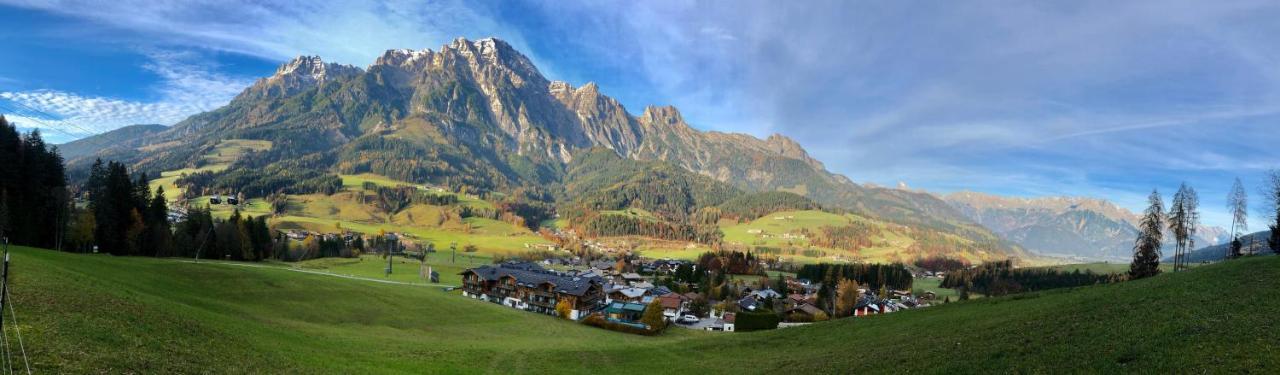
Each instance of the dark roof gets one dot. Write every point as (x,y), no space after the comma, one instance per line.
(626,306)
(806,308)
(531,274)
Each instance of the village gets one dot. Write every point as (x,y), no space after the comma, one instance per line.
(628,292)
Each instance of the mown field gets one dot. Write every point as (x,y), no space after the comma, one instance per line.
(102,314)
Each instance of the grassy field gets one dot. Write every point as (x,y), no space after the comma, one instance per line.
(344,211)
(1104,268)
(403,269)
(783,230)
(355,182)
(102,314)
(218,160)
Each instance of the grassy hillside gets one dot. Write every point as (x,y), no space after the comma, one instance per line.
(89,313)
(783,229)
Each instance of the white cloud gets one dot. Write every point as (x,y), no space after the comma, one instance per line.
(350,32)
(188,85)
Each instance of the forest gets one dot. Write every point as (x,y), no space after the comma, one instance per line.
(1001,278)
(32,181)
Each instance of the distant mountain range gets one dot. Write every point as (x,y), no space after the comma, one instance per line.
(1083,228)
(1253,243)
(89,146)
(479,116)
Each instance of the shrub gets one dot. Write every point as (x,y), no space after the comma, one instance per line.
(598,320)
(563,308)
(755,321)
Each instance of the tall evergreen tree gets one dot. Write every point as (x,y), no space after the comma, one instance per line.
(32,188)
(159,237)
(1238,206)
(4,213)
(1146,249)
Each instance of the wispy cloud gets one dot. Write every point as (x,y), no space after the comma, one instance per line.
(1029,98)
(188,84)
(351,32)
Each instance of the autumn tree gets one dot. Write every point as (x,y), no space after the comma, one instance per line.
(564,308)
(1146,249)
(846,298)
(1237,205)
(653,316)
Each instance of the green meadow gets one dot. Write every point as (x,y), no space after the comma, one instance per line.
(101,314)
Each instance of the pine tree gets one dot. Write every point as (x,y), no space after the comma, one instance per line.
(1146,249)
(159,234)
(4,212)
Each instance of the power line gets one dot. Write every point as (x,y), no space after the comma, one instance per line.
(52,117)
(18,331)
(45,125)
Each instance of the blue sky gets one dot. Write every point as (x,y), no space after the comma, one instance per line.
(1090,98)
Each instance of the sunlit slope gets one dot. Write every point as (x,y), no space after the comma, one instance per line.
(83,313)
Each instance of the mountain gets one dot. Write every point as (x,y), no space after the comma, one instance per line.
(88,146)
(1088,228)
(479,116)
(1254,243)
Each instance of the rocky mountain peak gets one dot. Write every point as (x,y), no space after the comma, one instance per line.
(494,53)
(313,68)
(301,73)
(401,57)
(662,116)
(788,147)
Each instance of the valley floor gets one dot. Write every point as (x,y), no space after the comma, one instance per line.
(102,314)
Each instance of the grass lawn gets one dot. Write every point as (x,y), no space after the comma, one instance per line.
(932,284)
(103,314)
(402,269)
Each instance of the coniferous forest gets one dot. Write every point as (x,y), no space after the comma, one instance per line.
(33,189)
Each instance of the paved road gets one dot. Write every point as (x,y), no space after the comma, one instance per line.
(702,324)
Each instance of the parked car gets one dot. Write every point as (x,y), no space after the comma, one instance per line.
(688,319)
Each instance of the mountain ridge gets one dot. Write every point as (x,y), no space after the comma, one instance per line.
(1084,227)
(478,114)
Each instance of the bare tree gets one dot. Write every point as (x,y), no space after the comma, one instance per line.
(1271,192)
(1183,218)
(1238,205)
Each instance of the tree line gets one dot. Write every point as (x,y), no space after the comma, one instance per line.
(1183,218)
(33,189)
(1000,278)
(605,225)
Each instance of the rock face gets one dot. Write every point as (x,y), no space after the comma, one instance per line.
(301,73)
(1087,228)
(481,112)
